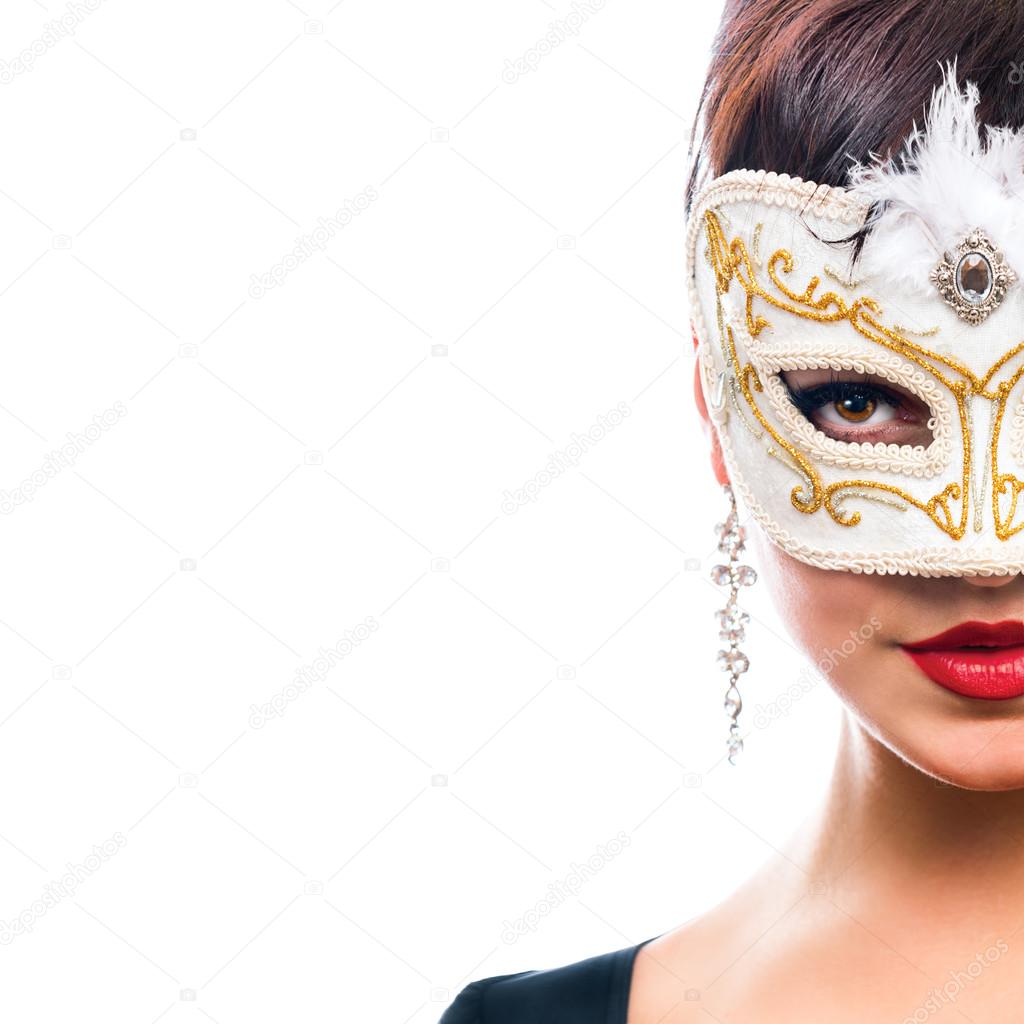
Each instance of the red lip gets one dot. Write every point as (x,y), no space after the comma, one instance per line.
(975,659)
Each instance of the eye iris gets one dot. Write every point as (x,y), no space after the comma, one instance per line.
(856,408)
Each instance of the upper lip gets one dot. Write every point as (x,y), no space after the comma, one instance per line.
(1008,633)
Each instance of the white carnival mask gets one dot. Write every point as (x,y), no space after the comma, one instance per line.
(936,308)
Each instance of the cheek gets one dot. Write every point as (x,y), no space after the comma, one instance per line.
(827,611)
(845,624)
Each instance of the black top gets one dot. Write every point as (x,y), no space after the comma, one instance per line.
(591,991)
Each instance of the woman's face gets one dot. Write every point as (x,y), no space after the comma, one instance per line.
(852,625)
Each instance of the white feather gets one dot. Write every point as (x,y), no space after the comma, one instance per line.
(949,181)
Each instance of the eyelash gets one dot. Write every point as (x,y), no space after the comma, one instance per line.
(809,400)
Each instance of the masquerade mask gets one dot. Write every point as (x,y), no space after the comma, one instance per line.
(895,441)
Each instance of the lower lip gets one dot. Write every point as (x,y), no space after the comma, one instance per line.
(995,673)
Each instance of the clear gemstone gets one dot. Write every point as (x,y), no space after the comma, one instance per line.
(974,277)
(729,543)
(722,575)
(745,576)
(731,529)
(731,617)
(733,661)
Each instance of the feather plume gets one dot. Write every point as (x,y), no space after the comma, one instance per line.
(948,182)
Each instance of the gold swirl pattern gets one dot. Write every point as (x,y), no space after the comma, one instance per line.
(730,260)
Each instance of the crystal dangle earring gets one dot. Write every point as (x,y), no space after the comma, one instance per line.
(731,619)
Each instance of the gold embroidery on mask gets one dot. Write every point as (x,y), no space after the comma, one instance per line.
(742,415)
(731,260)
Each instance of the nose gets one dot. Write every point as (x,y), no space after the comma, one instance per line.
(989,581)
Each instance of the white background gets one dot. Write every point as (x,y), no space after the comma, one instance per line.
(338,450)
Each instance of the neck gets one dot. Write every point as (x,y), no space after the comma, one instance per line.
(891,839)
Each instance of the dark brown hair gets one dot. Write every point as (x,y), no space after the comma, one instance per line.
(806,87)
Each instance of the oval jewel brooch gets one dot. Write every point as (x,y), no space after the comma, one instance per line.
(973,278)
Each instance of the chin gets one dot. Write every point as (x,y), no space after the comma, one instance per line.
(985,756)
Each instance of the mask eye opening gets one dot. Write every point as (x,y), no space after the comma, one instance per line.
(857,408)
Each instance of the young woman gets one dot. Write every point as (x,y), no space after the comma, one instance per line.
(855,250)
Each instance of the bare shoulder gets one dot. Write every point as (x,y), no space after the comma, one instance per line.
(705,965)
(668,975)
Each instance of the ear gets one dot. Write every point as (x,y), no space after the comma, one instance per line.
(717,461)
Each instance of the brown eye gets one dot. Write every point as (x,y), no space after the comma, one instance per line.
(857,408)
(850,406)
